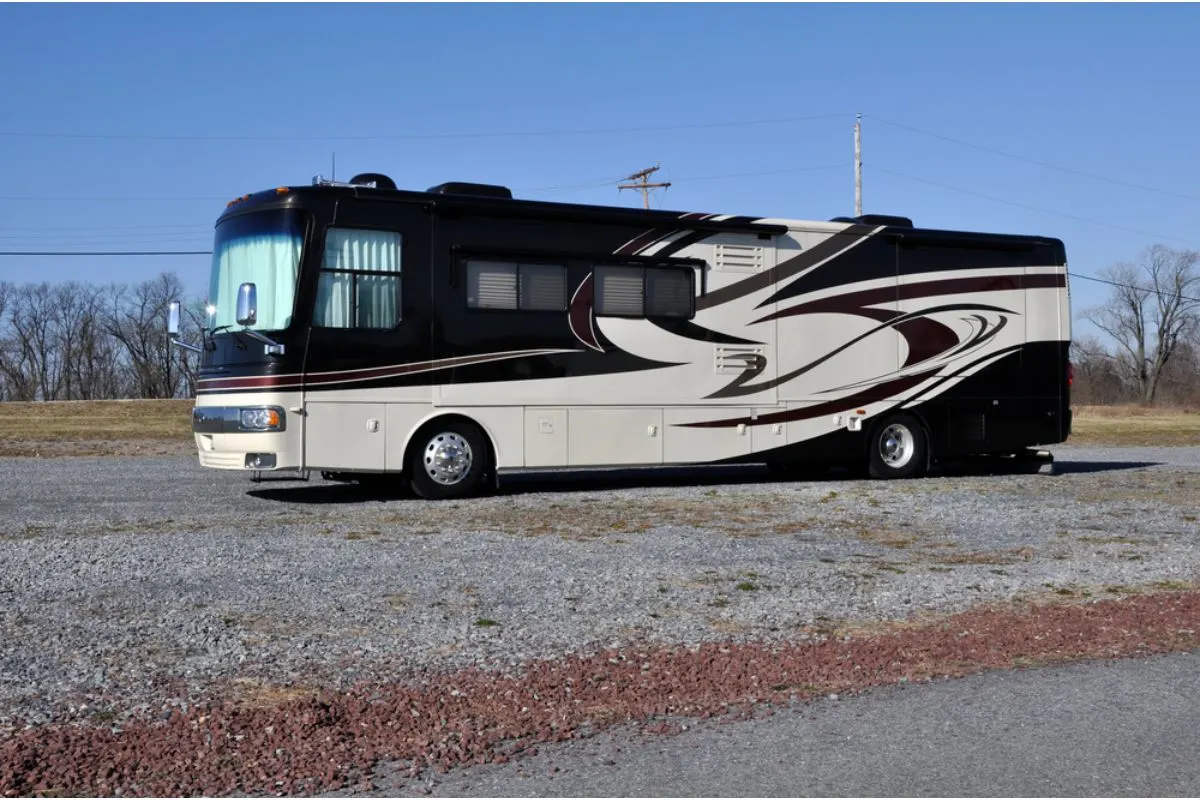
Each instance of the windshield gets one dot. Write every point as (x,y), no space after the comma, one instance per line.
(261,248)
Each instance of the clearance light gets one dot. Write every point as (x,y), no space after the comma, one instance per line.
(281,190)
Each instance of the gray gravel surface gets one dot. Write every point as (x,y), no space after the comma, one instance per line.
(132,583)
(1119,729)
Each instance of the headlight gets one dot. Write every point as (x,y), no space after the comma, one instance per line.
(261,419)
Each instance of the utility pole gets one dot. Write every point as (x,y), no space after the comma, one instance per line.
(858,165)
(642,184)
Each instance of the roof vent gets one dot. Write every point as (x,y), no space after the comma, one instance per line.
(374,180)
(475,189)
(877,219)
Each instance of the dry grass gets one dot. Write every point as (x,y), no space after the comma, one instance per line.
(96,427)
(1135,425)
(254,693)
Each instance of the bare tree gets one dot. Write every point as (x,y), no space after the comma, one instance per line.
(92,359)
(5,343)
(31,363)
(1154,307)
(1180,384)
(1098,378)
(136,319)
(191,323)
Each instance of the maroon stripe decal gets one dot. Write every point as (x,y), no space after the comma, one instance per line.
(282,381)
(855,302)
(837,243)
(579,316)
(881,391)
(926,339)
(648,239)
(641,241)
(260,382)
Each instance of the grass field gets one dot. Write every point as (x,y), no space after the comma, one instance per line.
(1135,425)
(96,427)
(131,427)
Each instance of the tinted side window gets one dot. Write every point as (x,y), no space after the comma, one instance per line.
(625,291)
(510,286)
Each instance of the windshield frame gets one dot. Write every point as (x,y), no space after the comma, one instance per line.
(240,243)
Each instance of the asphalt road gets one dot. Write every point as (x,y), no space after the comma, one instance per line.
(1123,728)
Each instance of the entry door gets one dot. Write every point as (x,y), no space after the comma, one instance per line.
(368,342)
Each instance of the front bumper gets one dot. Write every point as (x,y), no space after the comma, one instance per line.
(224,440)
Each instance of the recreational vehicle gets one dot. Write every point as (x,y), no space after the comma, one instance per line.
(442,337)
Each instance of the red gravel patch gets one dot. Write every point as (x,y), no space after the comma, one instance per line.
(312,744)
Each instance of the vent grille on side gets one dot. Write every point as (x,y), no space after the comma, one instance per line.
(738,258)
(735,359)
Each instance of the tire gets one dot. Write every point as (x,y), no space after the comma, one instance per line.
(448,460)
(898,448)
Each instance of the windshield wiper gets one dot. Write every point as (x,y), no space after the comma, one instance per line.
(241,343)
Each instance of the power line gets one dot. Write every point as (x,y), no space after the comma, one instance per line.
(593,184)
(61,198)
(188,225)
(1047,164)
(412,136)
(544,189)
(12,239)
(1146,289)
(762,173)
(755,174)
(65,253)
(1030,208)
(209,252)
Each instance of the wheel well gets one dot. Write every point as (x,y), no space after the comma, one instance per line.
(415,439)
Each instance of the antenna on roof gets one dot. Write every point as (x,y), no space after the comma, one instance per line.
(643,185)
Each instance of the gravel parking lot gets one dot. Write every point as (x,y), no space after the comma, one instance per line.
(129,584)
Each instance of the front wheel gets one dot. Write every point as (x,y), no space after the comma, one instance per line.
(898,448)
(448,460)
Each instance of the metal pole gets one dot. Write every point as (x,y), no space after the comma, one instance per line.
(858,165)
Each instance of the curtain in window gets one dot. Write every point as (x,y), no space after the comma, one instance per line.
(371,286)
(271,263)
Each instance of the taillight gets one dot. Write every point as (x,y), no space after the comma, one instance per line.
(1070,374)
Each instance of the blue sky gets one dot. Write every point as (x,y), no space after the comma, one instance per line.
(268,92)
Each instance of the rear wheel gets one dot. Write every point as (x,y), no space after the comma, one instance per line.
(898,448)
(448,460)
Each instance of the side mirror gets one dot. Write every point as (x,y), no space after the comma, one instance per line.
(247,305)
(173,318)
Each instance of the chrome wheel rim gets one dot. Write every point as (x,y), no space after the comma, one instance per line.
(448,459)
(896,445)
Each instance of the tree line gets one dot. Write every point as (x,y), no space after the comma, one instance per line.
(76,341)
(1152,318)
